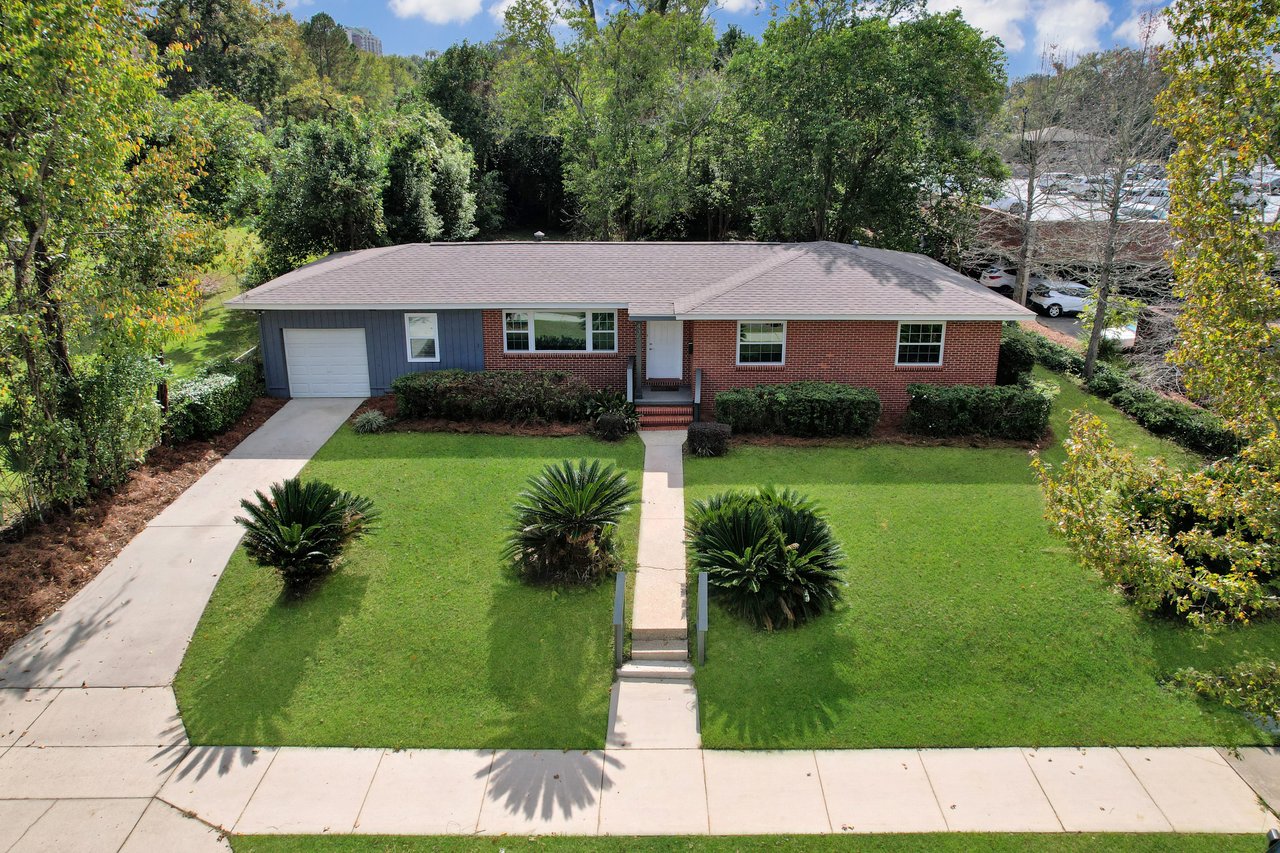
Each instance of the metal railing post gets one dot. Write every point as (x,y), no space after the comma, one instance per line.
(619,616)
(697,394)
(702,618)
(631,379)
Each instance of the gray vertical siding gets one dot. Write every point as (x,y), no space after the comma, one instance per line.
(461,342)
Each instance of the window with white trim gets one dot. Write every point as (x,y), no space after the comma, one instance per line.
(920,343)
(423,338)
(762,342)
(560,331)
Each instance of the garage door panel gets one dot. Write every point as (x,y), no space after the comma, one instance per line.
(327,362)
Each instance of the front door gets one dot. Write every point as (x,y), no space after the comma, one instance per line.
(664,357)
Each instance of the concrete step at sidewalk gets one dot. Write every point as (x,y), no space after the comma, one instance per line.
(657,670)
(660,632)
(677,649)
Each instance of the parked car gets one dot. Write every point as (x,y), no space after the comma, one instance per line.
(1054,181)
(1157,212)
(1056,298)
(1009,204)
(1154,193)
(1090,186)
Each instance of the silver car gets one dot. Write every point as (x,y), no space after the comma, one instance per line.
(1056,298)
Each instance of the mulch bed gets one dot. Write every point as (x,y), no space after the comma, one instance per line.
(1053,334)
(53,559)
(387,405)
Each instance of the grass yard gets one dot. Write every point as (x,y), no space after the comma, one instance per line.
(423,638)
(966,623)
(219,331)
(941,843)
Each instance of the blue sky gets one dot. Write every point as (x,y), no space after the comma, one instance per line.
(1027,27)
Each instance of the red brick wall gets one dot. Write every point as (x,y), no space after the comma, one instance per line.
(600,369)
(856,352)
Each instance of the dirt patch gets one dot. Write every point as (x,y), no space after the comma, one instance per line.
(387,405)
(1062,338)
(53,559)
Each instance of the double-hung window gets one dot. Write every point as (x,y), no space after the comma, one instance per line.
(762,343)
(422,335)
(920,343)
(560,331)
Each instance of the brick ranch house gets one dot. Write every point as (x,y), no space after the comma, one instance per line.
(664,322)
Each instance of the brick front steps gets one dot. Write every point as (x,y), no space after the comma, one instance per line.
(665,417)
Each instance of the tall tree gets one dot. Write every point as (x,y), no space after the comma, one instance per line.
(428,193)
(856,121)
(92,214)
(1221,107)
(330,50)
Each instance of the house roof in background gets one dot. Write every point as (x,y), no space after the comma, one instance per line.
(653,280)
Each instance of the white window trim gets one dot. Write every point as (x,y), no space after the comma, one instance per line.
(532,350)
(737,346)
(942,344)
(408,346)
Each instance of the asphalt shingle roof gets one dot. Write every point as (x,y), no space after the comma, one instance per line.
(688,280)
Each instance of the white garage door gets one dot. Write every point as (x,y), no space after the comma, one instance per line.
(326,362)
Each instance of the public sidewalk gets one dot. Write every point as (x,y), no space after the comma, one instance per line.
(89,728)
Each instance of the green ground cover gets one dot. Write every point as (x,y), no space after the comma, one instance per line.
(938,843)
(966,622)
(423,638)
(219,331)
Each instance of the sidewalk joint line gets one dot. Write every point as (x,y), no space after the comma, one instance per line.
(365,799)
(822,788)
(937,802)
(1022,751)
(270,761)
(1143,786)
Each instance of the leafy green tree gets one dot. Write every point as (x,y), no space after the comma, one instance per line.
(428,193)
(248,48)
(326,194)
(1221,107)
(858,121)
(96,232)
(233,174)
(330,50)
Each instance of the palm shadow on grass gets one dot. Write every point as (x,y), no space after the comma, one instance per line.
(549,664)
(800,702)
(266,664)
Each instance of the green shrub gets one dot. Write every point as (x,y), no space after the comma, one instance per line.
(119,416)
(566,521)
(1252,687)
(612,426)
(770,556)
(1106,381)
(1017,357)
(302,528)
(210,403)
(1018,412)
(367,423)
(497,395)
(708,439)
(807,409)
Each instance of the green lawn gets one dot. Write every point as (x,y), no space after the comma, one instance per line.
(219,331)
(966,622)
(941,843)
(423,638)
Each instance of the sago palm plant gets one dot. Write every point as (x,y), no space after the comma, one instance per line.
(566,520)
(301,528)
(770,555)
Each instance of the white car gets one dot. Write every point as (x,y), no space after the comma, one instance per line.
(1055,181)
(1056,298)
(1004,280)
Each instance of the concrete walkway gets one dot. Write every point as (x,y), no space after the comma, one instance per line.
(654,705)
(93,755)
(89,728)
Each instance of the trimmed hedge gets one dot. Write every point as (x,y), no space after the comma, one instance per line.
(707,438)
(1189,426)
(498,395)
(214,400)
(1017,357)
(1001,411)
(807,409)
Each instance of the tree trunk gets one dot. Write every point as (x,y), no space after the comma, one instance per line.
(1103,291)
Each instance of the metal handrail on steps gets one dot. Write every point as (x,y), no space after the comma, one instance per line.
(702,618)
(619,616)
(697,394)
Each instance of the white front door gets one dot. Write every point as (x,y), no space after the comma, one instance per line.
(664,354)
(326,362)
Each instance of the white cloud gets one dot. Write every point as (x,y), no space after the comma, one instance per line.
(1071,26)
(736,6)
(1145,20)
(499,10)
(1000,18)
(436,11)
